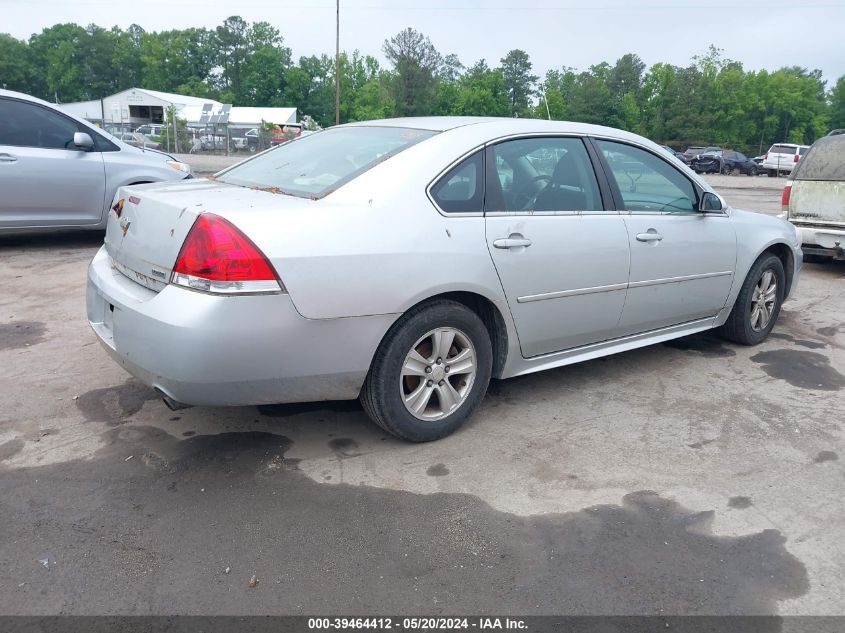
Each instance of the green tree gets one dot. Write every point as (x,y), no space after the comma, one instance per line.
(126,57)
(264,66)
(516,71)
(231,41)
(58,71)
(416,63)
(180,61)
(837,104)
(15,65)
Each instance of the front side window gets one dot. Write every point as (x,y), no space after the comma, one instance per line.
(647,182)
(315,165)
(542,174)
(25,124)
(461,189)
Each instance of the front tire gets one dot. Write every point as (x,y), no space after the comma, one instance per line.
(430,372)
(758,304)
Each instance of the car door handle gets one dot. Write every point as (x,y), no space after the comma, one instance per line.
(511,242)
(650,236)
(7,158)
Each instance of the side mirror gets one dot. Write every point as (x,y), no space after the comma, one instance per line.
(83,141)
(710,202)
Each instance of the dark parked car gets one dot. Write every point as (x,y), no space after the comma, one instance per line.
(724,162)
(673,152)
(692,153)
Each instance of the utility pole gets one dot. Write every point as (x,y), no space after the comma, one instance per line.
(337,68)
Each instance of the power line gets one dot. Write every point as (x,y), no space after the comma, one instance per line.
(767,6)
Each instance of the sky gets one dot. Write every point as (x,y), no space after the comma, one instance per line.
(577,33)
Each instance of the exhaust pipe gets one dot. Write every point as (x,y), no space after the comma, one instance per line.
(170,403)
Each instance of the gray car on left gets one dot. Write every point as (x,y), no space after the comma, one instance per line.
(59,172)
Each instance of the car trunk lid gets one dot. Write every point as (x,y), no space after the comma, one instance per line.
(145,239)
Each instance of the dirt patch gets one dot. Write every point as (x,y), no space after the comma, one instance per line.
(114,405)
(798,341)
(437,470)
(825,456)
(807,370)
(740,503)
(11,448)
(18,334)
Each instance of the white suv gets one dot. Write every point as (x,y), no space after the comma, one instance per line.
(781,158)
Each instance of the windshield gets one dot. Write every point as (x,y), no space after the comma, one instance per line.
(314,165)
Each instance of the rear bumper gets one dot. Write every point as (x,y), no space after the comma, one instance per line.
(202,349)
(785,168)
(823,241)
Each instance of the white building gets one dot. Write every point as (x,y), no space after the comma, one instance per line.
(137,106)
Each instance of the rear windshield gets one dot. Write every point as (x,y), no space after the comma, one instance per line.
(782,149)
(314,165)
(824,161)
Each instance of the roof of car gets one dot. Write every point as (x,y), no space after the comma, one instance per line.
(497,125)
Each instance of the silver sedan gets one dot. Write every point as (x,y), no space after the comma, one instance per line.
(407,262)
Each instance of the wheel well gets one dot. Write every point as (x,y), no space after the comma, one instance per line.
(492,319)
(784,254)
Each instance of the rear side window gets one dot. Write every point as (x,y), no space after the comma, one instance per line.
(461,189)
(782,149)
(25,124)
(315,165)
(647,183)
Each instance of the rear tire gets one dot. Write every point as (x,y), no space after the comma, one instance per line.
(758,304)
(430,372)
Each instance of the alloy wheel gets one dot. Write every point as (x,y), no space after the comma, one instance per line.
(763,300)
(438,373)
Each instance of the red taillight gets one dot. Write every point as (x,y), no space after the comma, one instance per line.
(784,199)
(217,257)
(795,158)
(766,157)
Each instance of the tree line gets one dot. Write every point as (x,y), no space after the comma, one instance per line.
(713,100)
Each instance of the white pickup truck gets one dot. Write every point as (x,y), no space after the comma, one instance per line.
(814,198)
